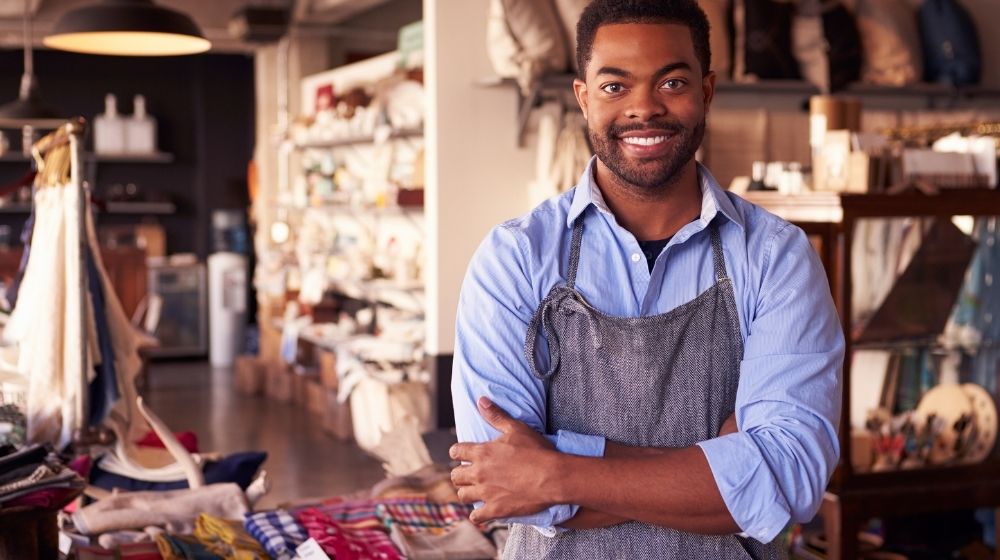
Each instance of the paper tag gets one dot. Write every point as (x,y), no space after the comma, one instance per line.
(310,550)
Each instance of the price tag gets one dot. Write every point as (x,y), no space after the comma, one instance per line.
(310,550)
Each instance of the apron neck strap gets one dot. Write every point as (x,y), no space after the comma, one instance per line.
(574,252)
(718,259)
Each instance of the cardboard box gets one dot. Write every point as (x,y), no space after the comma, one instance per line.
(328,370)
(337,418)
(249,375)
(279,382)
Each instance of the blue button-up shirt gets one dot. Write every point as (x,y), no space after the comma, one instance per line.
(773,470)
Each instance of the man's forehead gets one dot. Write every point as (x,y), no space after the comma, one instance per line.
(646,42)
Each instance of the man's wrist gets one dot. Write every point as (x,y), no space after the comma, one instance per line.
(558,472)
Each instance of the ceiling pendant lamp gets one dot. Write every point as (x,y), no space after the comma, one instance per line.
(127,28)
(28,109)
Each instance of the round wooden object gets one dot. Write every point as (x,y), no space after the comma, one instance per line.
(984,410)
(949,402)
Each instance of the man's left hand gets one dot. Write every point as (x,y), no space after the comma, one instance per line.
(509,474)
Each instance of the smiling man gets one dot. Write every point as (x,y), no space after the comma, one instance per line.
(646,366)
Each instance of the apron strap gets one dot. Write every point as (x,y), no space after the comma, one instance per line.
(718,259)
(574,252)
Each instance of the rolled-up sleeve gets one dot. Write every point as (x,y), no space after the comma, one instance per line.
(776,468)
(495,306)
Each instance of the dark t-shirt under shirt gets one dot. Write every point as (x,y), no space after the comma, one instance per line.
(652,250)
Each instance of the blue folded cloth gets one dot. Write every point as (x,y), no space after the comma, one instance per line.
(239,468)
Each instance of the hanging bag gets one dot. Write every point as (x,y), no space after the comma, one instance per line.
(950,43)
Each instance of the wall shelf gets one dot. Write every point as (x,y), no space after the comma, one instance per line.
(558,87)
(157,157)
(359,140)
(125,208)
(160,208)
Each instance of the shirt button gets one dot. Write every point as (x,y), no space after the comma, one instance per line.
(636,257)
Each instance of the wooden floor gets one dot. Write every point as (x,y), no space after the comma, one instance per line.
(302,460)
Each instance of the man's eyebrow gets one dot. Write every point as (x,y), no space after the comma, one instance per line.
(671,67)
(615,72)
(622,73)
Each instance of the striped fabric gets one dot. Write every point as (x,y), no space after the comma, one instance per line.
(277,531)
(360,514)
(343,543)
(422,517)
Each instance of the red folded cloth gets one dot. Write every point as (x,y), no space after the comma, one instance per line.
(346,544)
(46,498)
(187,439)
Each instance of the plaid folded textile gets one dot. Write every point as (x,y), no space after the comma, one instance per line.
(360,514)
(277,531)
(422,517)
(343,543)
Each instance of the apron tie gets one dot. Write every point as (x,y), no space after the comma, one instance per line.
(566,300)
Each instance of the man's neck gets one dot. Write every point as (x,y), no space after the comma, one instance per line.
(652,215)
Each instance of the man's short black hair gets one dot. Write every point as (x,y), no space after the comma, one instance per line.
(605,12)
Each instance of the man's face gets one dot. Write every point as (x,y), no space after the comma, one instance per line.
(645,100)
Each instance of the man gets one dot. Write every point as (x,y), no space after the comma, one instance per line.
(689,398)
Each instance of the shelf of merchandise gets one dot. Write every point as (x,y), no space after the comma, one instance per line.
(377,293)
(854,497)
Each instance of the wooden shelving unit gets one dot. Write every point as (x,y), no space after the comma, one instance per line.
(854,497)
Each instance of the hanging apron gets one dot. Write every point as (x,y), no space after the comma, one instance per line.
(666,381)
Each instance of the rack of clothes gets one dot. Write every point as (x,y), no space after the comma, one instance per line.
(75,346)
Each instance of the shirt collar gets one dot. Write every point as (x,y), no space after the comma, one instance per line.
(713,199)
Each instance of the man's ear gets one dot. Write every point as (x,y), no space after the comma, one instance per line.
(708,89)
(580,92)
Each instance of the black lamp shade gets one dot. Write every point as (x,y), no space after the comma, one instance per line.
(29,109)
(127,28)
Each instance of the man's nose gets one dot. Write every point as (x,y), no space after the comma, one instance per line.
(645,104)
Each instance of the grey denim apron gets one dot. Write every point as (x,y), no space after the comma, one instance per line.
(666,380)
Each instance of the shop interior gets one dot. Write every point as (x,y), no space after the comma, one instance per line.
(233,235)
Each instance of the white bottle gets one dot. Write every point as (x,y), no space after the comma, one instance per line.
(109,129)
(140,130)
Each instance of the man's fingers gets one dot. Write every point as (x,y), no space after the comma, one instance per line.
(483,514)
(497,417)
(464,451)
(469,494)
(463,475)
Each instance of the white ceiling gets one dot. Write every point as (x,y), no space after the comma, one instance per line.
(212,15)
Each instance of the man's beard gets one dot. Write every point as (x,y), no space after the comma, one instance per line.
(652,176)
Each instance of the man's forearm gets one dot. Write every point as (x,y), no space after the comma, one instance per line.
(589,518)
(668,487)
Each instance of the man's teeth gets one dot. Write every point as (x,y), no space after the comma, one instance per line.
(641,141)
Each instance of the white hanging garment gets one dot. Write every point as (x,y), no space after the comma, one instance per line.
(46,322)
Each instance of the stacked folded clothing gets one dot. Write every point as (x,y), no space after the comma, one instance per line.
(32,478)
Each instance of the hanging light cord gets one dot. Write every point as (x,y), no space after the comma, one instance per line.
(29,66)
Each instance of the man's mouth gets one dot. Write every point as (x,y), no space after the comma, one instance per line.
(644,140)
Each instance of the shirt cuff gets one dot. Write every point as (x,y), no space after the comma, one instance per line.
(547,522)
(745,483)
